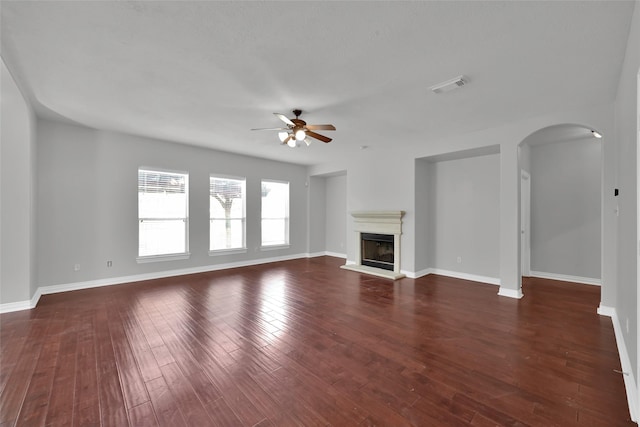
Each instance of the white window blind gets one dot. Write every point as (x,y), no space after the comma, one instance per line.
(275,213)
(226,213)
(163,220)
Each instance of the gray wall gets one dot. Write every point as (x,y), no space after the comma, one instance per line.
(87,210)
(565,208)
(17,194)
(317,222)
(424,221)
(463,216)
(336,215)
(525,157)
(626,133)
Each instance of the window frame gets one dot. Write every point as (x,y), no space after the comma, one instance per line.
(287,240)
(168,256)
(227,251)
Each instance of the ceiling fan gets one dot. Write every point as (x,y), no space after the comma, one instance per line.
(298,130)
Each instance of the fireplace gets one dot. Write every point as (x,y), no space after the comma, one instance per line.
(377,243)
(377,250)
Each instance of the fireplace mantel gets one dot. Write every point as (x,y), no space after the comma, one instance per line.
(378,222)
(382,222)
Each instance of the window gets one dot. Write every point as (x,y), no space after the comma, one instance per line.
(226,213)
(163,221)
(275,213)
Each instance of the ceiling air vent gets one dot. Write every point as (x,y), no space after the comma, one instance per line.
(449,85)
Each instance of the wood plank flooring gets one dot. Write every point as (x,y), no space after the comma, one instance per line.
(305,343)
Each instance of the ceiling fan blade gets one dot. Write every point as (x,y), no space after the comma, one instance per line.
(318,136)
(321,127)
(284,119)
(271,129)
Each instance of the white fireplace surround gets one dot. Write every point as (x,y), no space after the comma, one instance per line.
(377,222)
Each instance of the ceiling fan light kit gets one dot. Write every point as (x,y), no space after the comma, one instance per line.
(298,130)
(300,135)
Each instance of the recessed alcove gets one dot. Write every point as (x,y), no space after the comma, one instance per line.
(457,217)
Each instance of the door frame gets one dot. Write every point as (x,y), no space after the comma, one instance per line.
(525,223)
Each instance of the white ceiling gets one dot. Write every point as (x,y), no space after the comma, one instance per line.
(205,73)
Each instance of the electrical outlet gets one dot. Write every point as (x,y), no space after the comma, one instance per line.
(109,264)
(76,267)
(459,260)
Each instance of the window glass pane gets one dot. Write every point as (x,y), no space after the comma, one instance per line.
(159,205)
(162,212)
(275,213)
(227,213)
(225,235)
(161,237)
(273,232)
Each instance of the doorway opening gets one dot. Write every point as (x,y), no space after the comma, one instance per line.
(561,204)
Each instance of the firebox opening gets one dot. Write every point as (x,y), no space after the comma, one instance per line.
(377,250)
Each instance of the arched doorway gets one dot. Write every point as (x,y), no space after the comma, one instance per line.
(561,203)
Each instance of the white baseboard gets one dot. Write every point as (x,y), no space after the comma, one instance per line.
(464,276)
(510,293)
(16,306)
(65,287)
(326,253)
(417,274)
(566,278)
(604,310)
(335,254)
(625,362)
(315,254)
(454,274)
(21,305)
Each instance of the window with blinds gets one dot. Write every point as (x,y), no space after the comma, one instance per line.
(275,213)
(163,220)
(226,213)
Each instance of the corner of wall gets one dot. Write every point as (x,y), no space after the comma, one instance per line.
(18,190)
(510,293)
(625,362)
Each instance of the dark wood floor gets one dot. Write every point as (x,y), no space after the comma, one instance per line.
(305,343)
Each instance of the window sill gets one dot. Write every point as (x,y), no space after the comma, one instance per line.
(273,247)
(161,258)
(219,252)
